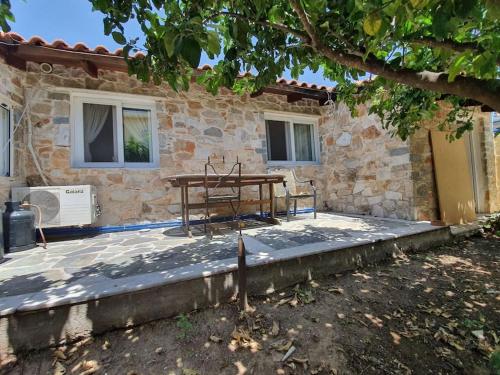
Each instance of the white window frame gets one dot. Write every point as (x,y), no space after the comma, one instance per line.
(290,119)
(120,102)
(7,104)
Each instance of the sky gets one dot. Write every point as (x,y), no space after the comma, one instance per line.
(74,21)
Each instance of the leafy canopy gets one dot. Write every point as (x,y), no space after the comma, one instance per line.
(419,51)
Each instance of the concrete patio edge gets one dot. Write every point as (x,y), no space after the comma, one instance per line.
(96,308)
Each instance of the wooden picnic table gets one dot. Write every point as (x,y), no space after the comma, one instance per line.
(186,181)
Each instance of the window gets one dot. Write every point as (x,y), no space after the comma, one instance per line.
(495,119)
(4,140)
(291,139)
(114,133)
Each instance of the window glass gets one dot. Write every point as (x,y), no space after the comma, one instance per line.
(137,135)
(277,140)
(495,117)
(4,141)
(304,147)
(99,133)
(290,141)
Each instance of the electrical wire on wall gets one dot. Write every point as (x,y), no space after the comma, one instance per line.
(30,141)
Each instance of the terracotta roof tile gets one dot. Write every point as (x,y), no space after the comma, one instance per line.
(15,38)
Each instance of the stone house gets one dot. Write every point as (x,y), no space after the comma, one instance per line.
(91,123)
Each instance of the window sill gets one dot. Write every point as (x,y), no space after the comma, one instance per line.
(110,166)
(276,163)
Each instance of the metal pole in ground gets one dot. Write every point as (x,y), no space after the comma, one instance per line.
(242,274)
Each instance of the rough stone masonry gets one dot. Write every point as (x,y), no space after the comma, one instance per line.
(362,169)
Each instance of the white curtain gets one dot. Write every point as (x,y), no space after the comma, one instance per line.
(303,142)
(136,126)
(94,118)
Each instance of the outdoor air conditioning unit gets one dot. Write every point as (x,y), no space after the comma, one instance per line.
(61,206)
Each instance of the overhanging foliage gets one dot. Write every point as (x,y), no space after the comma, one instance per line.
(418,51)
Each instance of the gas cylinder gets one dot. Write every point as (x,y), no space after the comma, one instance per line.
(18,228)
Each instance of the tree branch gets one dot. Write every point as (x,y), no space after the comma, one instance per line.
(449,44)
(465,87)
(299,34)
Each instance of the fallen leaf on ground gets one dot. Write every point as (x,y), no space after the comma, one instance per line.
(106,345)
(275,330)
(442,335)
(294,302)
(288,353)
(479,334)
(336,290)
(159,350)
(242,339)
(59,369)
(282,302)
(214,338)
(282,345)
(59,355)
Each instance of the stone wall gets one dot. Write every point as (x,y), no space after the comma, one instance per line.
(362,168)
(12,94)
(491,157)
(365,169)
(425,193)
(422,176)
(497,168)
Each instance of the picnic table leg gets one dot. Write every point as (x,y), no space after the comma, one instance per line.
(183,214)
(260,198)
(271,199)
(188,229)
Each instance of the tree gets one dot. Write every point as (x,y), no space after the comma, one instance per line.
(417,51)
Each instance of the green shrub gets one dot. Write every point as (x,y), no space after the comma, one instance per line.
(136,152)
(491,224)
(184,325)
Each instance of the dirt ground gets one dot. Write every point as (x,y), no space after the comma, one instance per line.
(436,312)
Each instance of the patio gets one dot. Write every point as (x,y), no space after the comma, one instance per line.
(76,268)
(120,274)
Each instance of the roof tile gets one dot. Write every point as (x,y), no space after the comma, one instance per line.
(15,38)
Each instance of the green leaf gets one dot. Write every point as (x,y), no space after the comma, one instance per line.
(417,4)
(440,23)
(456,66)
(493,7)
(213,45)
(190,50)
(169,42)
(464,7)
(372,24)
(242,31)
(485,64)
(275,14)
(118,37)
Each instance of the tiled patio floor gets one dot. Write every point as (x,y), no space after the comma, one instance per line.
(134,259)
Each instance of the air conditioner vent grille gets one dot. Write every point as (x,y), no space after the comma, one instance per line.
(49,203)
